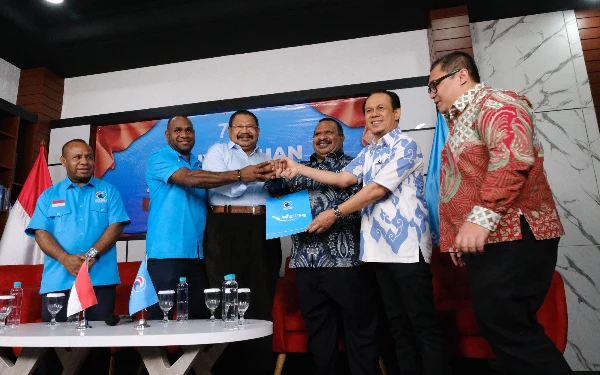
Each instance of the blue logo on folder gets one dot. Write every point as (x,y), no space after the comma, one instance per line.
(288,215)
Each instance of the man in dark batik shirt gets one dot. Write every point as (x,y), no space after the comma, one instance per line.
(330,279)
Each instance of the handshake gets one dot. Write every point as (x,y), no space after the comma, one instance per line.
(265,171)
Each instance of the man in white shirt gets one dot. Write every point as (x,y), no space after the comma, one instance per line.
(235,234)
(395,234)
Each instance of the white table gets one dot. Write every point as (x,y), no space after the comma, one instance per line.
(201,341)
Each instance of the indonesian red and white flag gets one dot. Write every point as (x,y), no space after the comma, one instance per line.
(82,293)
(15,246)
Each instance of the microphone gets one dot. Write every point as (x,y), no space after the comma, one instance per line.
(114,320)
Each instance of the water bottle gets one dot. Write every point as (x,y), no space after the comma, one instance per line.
(182,301)
(14,319)
(230,302)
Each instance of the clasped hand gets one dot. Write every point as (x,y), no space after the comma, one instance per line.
(73,262)
(285,167)
(259,172)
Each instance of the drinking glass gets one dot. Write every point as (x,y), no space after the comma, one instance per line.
(54,303)
(243,303)
(165,302)
(6,304)
(212,298)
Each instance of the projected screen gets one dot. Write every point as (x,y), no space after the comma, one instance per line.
(122,150)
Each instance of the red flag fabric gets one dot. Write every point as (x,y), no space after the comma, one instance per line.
(35,184)
(114,138)
(82,293)
(349,111)
(15,246)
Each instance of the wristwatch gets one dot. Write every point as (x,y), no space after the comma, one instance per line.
(92,253)
(336,212)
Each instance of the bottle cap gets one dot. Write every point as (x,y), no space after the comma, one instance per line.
(231,276)
(182,279)
(17,284)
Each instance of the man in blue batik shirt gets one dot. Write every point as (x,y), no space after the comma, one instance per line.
(395,234)
(78,217)
(330,279)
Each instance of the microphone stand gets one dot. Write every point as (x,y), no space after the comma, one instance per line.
(83,325)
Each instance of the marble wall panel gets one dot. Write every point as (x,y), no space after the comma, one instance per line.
(571,174)
(541,56)
(578,266)
(531,55)
(583,83)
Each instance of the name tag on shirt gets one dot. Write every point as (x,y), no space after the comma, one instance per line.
(288,215)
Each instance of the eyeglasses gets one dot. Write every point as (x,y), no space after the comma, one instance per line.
(245,127)
(432,87)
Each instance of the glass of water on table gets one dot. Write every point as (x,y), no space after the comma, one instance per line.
(243,303)
(212,298)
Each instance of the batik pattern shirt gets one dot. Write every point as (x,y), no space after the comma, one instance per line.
(394,228)
(492,169)
(338,246)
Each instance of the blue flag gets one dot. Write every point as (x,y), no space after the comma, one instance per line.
(143,293)
(432,185)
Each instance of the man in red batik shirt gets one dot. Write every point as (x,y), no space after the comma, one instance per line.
(497,214)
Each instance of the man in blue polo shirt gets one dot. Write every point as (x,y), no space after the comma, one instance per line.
(79,216)
(178,212)
(395,236)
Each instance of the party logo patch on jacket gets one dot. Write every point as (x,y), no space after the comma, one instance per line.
(100,197)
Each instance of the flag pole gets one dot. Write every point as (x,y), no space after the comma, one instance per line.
(143,295)
(142,324)
(83,325)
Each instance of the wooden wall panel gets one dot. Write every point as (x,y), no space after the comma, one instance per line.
(588,44)
(453,44)
(588,23)
(593,66)
(450,31)
(41,92)
(587,13)
(450,22)
(594,77)
(592,33)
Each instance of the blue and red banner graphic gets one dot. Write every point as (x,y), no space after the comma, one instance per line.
(122,150)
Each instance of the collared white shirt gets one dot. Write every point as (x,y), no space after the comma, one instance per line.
(395,227)
(230,157)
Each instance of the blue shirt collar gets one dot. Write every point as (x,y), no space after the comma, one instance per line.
(67,183)
(181,156)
